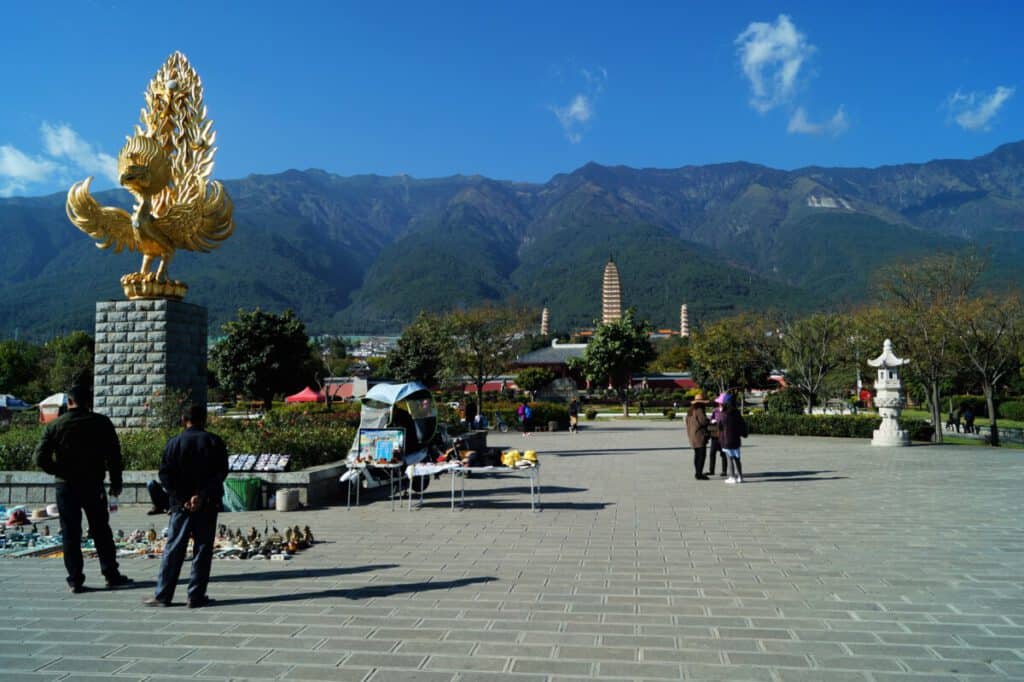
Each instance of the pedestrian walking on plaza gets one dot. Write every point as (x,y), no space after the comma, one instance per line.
(525,413)
(714,439)
(697,426)
(733,430)
(968,413)
(192,472)
(574,415)
(79,448)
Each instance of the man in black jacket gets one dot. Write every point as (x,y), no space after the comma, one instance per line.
(78,448)
(193,470)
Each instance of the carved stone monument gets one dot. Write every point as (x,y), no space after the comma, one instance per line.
(152,347)
(889,398)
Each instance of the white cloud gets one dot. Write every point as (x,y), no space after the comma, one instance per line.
(799,124)
(975,110)
(771,56)
(580,110)
(18,170)
(66,156)
(63,142)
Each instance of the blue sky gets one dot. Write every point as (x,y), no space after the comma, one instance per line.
(517,91)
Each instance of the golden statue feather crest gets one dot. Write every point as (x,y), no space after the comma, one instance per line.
(166,166)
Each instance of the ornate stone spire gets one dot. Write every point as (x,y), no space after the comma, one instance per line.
(545,319)
(611,294)
(684,321)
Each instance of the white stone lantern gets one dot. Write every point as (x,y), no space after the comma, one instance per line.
(889,398)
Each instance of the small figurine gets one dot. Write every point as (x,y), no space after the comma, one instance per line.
(308,536)
(46,531)
(151,535)
(253,534)
(120,533)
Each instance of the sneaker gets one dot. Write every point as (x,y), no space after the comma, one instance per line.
(730,480)
(77,589)
(723,474)
(155,511)
(199,602)
(153,601)
(739,479)
(118,580)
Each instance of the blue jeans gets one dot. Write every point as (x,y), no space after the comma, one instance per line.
(72,498)
(201,526)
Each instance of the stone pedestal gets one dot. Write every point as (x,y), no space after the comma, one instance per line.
(143,349)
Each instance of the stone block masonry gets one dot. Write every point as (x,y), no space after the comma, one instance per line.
(143,349)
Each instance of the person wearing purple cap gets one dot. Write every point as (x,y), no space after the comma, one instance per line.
(732,430)
(714,437)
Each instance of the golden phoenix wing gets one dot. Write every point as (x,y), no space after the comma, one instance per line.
(108,225)
(199,225)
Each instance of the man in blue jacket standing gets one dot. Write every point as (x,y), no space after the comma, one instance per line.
(193,470)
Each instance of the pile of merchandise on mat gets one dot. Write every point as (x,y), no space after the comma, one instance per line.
(23,535)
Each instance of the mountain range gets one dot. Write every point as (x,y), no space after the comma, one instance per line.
(366,253)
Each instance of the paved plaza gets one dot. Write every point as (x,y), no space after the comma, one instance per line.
(834,561)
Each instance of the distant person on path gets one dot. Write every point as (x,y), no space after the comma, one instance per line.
(697,427)
(640,406)
(968,419)
(193,470)
(714,427)
(733,430)
(953,421)
(527,418)
(574,415)
(79,448)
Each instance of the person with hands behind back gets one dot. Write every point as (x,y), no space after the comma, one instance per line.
(79,448)
(193,470)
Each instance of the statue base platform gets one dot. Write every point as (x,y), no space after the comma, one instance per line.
(147,352)
(890,439)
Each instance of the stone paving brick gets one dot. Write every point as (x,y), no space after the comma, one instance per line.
(323,672)
(639,670)
(83,665)
(476,662)
(411,676)
(211,653)
(252,671)
(162,667)
(551,666)
(389,661)
(358,645)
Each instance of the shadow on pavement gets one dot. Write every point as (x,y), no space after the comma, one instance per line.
(610,451)
(297,573)
(783,476)
(367,592)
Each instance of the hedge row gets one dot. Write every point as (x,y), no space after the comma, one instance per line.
(832,425)
(310,438)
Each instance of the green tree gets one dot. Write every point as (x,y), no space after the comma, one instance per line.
(67,360)
(483,342)
(990,330)
(19,367)
(734,352)
(673,355)
(421,351)
(813,348)
(922,295)
(616,351)
(533,379)
(263,354)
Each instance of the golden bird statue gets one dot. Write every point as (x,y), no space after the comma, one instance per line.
(166,166)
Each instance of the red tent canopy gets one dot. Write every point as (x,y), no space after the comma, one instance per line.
(306,395)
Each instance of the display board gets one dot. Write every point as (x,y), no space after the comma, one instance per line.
(381,446)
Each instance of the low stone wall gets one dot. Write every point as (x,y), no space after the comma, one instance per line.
(317,486)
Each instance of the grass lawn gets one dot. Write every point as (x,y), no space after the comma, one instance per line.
(980,421)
